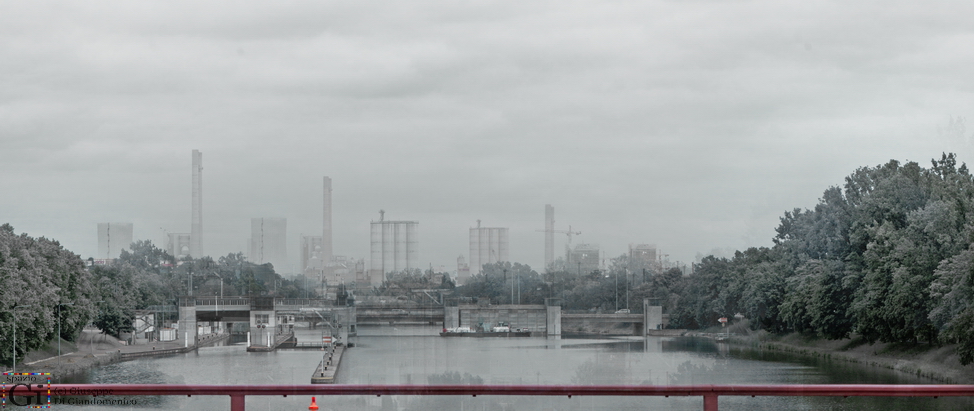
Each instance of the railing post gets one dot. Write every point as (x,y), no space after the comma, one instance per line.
(237,402)
(710,402)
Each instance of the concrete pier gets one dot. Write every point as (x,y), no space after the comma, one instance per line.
(328,367)
(279,339)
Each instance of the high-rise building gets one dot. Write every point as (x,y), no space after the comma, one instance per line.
(268,243)
(113,238)
(642,257)
(487,245)
(395,247)
(326,248)
(584,259)
(196,230)
(178,245)
(549,236)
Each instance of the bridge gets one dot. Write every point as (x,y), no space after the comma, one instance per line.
(270,319)
(372,315)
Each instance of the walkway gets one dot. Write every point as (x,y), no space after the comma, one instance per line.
(95,348)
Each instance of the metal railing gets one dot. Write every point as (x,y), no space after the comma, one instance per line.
(709,393)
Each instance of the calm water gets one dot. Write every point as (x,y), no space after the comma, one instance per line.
(417,355)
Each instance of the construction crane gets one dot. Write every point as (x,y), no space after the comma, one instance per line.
(570,233)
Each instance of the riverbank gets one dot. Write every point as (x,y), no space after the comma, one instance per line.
(939,363)
(93,349)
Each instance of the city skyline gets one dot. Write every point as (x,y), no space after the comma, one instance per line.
(692,126)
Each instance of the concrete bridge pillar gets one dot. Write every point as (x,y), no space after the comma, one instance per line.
(263,326)
(652,316)
(187,320)
(451,317)
(553,308)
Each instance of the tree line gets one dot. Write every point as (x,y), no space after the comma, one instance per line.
(41,283)
(887,256)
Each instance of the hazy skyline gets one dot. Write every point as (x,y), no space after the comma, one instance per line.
(690,125)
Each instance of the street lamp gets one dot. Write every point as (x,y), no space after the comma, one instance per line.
(59,334)
(616,290)
(14,315)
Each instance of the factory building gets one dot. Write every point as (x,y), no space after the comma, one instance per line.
(178,245)
(326,240)
(487,245)
(268,243)
(113,238)
(395,247)
(312,257)
(463,271)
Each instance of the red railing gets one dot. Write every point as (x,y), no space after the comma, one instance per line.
(710,393)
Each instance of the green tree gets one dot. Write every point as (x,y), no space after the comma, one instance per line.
(37,275)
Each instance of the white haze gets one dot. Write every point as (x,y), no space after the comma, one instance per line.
(689,125)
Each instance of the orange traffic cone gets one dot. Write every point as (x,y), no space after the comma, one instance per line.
(314,405)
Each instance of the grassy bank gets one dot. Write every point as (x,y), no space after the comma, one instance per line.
(939,363)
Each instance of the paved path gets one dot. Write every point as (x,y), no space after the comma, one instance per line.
(95,348)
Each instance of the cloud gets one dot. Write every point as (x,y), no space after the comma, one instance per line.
(692,125)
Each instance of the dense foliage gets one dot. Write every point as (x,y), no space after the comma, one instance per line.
(36,276)
(887,257)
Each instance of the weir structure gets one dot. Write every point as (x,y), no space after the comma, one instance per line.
(549,319)
(269,318)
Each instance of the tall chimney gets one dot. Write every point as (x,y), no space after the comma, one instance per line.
(196,230)
(326,249)
(549,236)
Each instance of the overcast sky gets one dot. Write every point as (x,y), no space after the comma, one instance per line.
(689,125)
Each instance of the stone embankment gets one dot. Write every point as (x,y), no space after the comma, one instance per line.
(94,349)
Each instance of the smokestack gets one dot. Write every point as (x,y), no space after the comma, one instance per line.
(196,230)
(326,250)
(549,236)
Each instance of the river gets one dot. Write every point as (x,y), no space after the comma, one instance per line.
(417,355)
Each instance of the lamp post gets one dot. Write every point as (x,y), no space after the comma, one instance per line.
(59,334)
(616,289)
(14,315)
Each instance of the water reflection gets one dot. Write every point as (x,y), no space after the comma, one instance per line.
(417,355)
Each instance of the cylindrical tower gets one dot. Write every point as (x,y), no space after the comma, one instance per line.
(549,236)
(196,230)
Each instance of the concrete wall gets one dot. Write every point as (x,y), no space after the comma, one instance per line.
(653,316)
(528,317)
(554,320)
(451,317)
(187,324)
